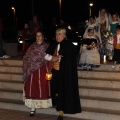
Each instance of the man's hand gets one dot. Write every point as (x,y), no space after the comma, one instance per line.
(56,58)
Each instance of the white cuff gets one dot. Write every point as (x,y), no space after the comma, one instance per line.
(48,57)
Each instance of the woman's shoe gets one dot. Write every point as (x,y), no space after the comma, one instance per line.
(32,112)
(89,68)
(114,63)
(85,68)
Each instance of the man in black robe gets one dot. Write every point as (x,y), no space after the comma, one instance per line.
(64,84)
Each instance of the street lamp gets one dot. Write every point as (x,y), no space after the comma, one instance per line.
(32,7)
(91,4)
(59,9)
(13,8)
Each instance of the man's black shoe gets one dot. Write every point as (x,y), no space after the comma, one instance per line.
(60,117)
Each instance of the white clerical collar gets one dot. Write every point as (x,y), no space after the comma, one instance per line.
(58,47)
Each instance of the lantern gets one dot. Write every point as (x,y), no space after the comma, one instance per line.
(48,76)
(104,59)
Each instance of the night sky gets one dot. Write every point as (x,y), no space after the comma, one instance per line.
(72,11)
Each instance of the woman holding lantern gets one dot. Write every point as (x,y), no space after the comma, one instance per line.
(64,83)
(36,87)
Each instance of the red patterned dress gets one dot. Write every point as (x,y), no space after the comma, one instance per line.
(36,88)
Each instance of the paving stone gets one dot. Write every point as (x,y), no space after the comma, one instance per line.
(6,114)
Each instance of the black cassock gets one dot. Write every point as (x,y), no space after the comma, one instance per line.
(65,80)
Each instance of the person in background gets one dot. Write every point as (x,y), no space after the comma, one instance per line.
(103,19)
(3,53)
(109,48)
(103,22)
(90,57)
(112,28)
(92,24)
(25,37)
(34,26)
(62,24)
(36,88)
(114,22)
(116,45)
(64,84)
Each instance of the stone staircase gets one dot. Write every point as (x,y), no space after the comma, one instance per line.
(99,91)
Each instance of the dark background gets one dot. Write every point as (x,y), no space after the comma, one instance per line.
(72,11)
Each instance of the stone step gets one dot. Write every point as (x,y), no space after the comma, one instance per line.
(11,62)
(106,95)
(90,94)
(100,104)
(105,67)
(87,113)
(11,85)
(16,95)
(11,69)
(85,74)
(112,75)
(100,90)
(11,76)
(84,90)
(100,83)
(95,116)
(19,62)
(92,102)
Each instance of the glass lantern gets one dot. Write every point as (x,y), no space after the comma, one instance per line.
(48,75)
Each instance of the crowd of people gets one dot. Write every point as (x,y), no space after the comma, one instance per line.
(29,31)
(62,91)
(99,40)
(101,37)
(40,58)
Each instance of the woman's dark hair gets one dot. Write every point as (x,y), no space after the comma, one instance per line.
(115,14)
(92,17)
(103,9)
(90,29)
(41,31)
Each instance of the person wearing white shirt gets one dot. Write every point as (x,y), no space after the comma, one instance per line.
(64,83)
